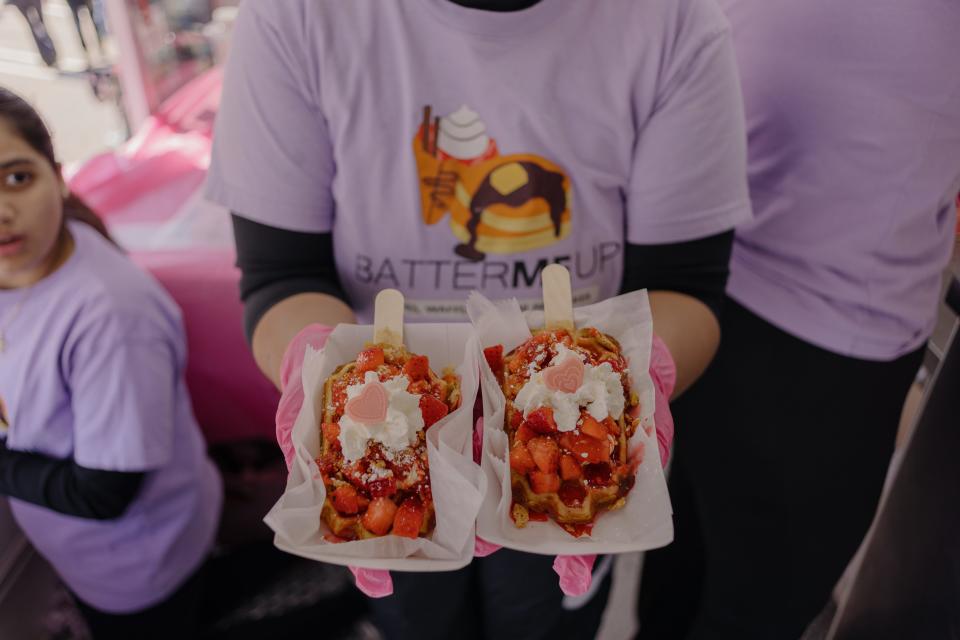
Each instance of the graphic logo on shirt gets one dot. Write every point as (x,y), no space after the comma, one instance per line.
(497,204)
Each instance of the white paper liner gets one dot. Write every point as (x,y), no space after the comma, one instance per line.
(456,482)
(645,521)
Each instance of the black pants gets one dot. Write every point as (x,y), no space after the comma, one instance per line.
(781,453)
(506,595)
(176,617)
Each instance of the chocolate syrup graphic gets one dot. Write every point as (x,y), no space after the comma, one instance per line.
(540,183)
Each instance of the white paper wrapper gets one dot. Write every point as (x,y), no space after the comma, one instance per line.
(645,521)
(456,482)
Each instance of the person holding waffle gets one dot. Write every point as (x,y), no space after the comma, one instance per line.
(439,147)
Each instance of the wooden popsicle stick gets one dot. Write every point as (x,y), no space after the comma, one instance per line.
(388,318)
(557,298)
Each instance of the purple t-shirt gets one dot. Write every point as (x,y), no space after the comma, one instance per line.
(93,370)
(853,117)
(451,149)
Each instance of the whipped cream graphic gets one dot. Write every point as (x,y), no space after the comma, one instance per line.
(396,432)
(601,393)
(463,135)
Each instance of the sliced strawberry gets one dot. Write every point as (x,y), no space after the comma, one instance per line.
(494,356)
(597,474)
(525,433)
(592,428)
(541,420)
(363,502)
(331,434)
(369,359)
(612,426)
(516,419)
(379,515)
(569,467)
(408,519)
(563,338)
(520,459)
(542,482)
(382,487)
(545,453)
(329,463)
(541,338)
(572,493)
(432,409)
(584,448)
(329,537)
(417,368)
(345,500)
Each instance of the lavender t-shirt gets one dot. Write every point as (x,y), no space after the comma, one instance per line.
(93,370)
(451,149)
(853,116)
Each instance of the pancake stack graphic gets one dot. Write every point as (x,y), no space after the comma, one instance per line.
(497,204)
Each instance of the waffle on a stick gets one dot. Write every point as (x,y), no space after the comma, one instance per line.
(377,481)
(569,416)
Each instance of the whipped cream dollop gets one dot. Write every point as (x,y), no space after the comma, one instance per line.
(463,135)
(396,432)
(601,393)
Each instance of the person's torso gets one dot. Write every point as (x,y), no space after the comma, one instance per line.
(132,561)
(853,117)
(492,143)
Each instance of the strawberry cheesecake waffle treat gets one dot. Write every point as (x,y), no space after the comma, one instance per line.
(570,414)
(376,411)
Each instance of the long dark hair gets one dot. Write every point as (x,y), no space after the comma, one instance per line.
(29,126)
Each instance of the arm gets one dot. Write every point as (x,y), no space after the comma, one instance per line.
(289,280)
(66,487)
(689,180)
(690,331)
(285,320)
(272,162)
(686,282)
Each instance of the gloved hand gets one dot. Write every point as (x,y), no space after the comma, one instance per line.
(576,571)
(291,386)
(373,582)
(663,371)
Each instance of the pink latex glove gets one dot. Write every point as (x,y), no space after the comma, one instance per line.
(372,582)
(291,386)
(663,372)
(576,572)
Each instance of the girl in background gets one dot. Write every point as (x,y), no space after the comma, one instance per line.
(101,456)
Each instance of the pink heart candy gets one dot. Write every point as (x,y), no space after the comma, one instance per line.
(370,406)
(567,376)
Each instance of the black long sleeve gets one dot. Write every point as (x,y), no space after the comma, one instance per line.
(66,487)
(699,268)
(276,264)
